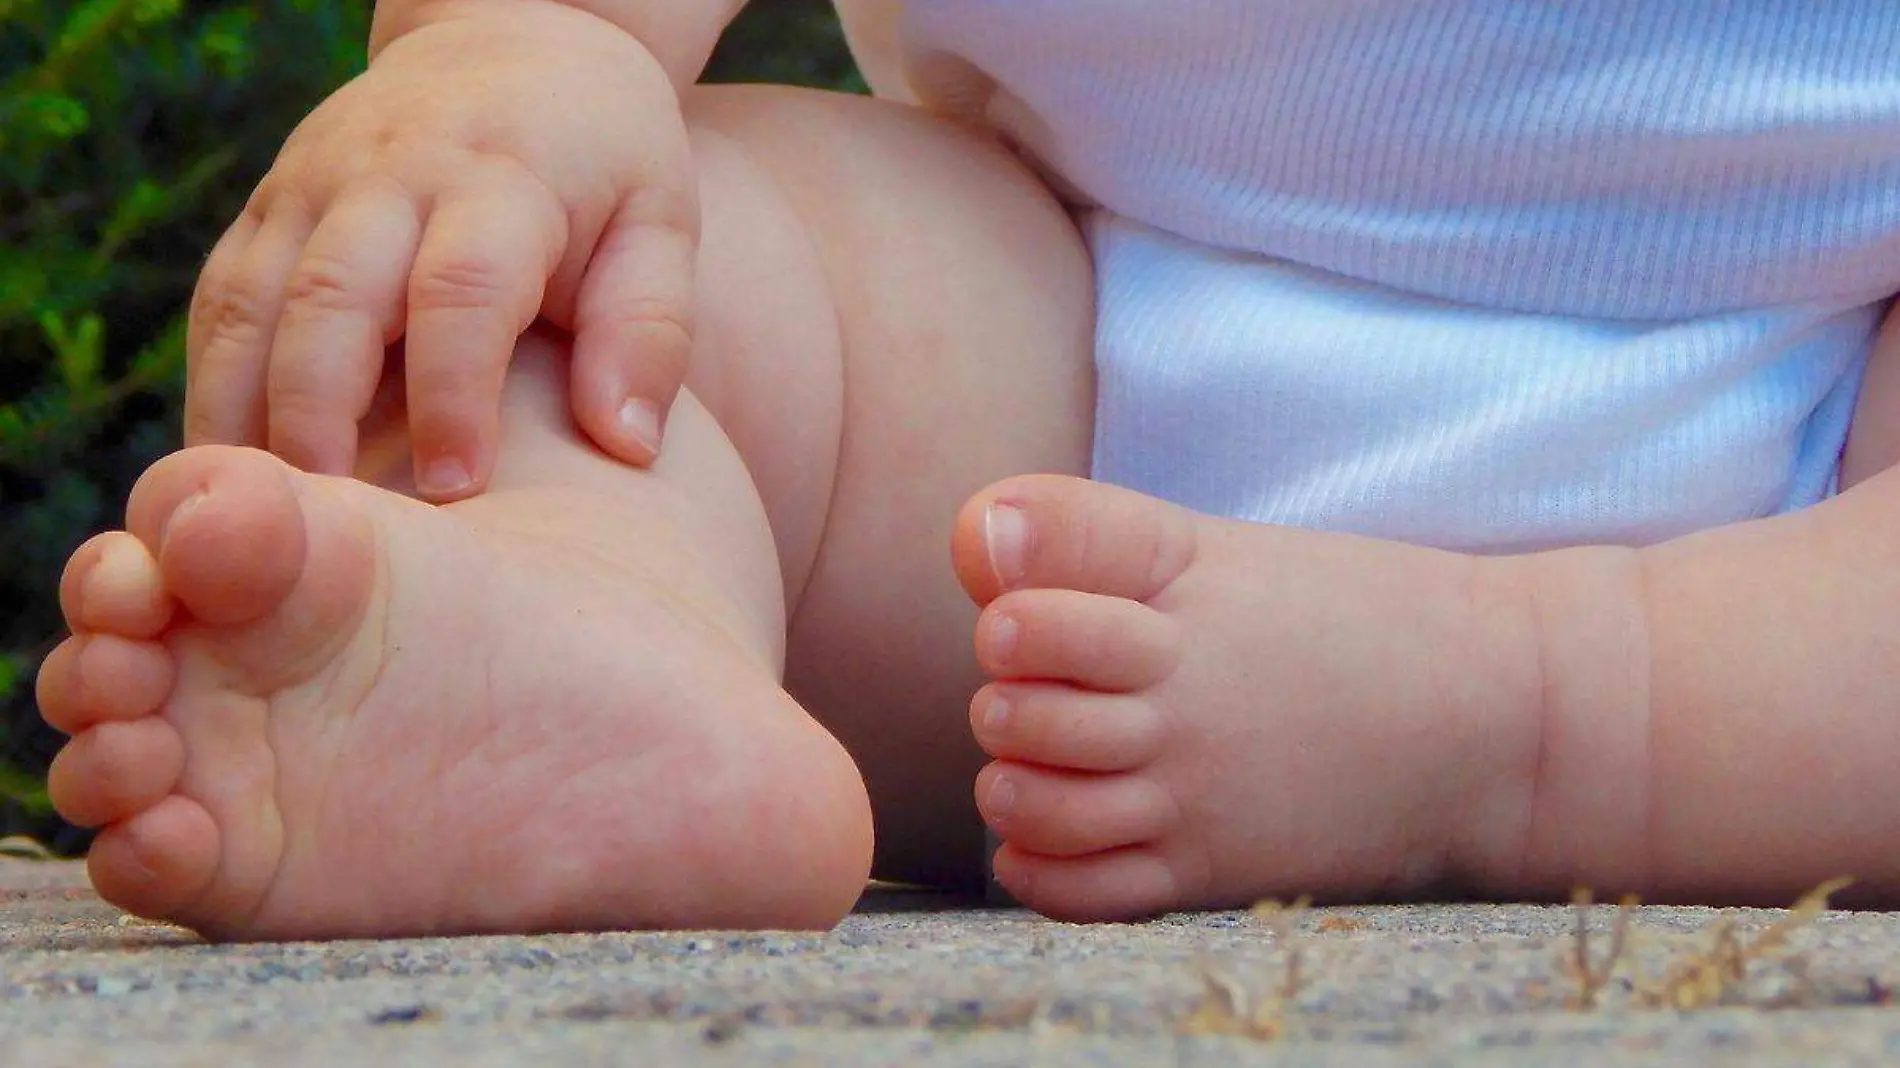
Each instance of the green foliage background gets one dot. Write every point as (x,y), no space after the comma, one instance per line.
(130,133)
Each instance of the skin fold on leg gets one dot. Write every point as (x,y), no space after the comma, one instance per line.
(951,311)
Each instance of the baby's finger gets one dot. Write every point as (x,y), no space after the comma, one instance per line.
(217,269)
(344,305)
(633,323)
(216,273)
(234,317)
(477,284)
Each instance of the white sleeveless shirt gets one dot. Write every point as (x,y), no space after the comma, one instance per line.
(1484,274)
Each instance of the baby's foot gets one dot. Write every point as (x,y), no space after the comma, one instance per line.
(1190,712)
(305,707)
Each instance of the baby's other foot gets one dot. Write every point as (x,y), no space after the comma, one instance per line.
(305,707)
(1197,713)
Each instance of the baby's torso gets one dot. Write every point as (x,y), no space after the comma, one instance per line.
(1639,246)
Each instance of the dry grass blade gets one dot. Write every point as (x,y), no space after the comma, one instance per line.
(1804,912)
(19,845)
(1717,972)
(1284,922)
(1591,978)
(1228,1007)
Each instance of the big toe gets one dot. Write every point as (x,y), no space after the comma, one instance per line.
(1070,533)
(225,527)
(160,861)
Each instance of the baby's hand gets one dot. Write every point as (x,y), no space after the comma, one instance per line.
(484,171)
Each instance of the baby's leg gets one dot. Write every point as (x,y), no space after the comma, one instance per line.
(313,707)
(964,324)
(1873,442)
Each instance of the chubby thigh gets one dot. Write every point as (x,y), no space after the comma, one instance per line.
(893,314)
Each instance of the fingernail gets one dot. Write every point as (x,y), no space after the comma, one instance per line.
(444,477)
(1006,536)
(641,420)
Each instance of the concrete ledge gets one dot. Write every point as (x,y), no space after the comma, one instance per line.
(903,982)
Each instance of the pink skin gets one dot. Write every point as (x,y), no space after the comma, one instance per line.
(1189,712)
(271,671)
(1165,736)
(410,206)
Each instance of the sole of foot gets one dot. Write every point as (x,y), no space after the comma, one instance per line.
(303,707)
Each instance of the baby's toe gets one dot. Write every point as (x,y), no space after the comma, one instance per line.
(111,585)
(159,861)
(226,529)
(99,678)
(1070,533)
(1102,643)
(1059,726)
(1066,814)
(115,770)
(1125,884)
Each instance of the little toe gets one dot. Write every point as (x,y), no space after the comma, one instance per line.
(159,861)
(1067,814)
(115,770)
(111,584)
(1060,726)
(1103,643)
(1125,884)
(225,526)
(1070,533)
(97,678)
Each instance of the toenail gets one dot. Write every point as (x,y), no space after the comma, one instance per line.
(1001,638)
(185,508)
(116,564)
(1002,796)
(443,477)
(139,853)
(640,419)
(1006,537)
(995,716)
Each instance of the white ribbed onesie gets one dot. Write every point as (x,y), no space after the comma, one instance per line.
(1484,274)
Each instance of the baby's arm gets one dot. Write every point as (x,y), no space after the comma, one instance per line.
(1873,444)
(679,33)
(499,161)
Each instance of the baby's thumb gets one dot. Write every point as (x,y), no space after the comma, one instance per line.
(633,326)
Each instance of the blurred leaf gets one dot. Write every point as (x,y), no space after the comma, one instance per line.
(50,115)
(75,350)
(25,790)
(147,12)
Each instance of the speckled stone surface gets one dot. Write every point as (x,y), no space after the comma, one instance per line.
(1476,985)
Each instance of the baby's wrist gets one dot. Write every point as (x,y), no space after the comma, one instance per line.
(681,41)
